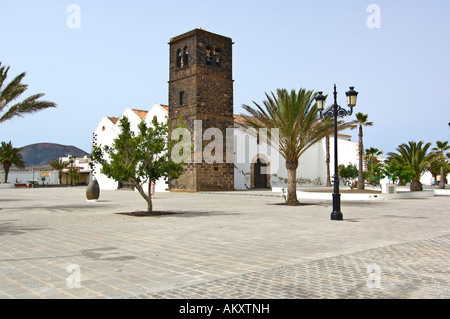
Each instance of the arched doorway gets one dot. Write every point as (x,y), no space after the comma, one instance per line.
(260,180)
(260,173)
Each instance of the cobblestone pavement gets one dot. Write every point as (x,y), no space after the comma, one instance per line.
(352,276)
(55,244)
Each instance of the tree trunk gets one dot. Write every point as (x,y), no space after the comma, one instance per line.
(147,198)
(292,182)
(327,160)
(416,186)
(6,169)
(361,154)
(442,182)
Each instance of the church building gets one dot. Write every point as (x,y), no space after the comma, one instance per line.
(201,92)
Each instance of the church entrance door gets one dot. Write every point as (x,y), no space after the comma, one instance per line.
(260,180)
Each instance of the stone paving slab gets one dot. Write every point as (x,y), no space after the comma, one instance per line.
(350,276)
(218,246)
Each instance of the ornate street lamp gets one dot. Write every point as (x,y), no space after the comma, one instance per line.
(336,111)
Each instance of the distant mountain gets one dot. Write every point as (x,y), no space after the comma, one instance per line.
(42,154)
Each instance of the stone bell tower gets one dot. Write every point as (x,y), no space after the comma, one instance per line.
(201,90)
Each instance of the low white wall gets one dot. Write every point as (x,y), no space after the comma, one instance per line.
(27,176)
(361,197)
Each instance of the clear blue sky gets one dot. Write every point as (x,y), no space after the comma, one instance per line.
(119,57)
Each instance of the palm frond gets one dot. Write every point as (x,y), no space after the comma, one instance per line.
(3,74)
(28,106)
(295,115)
(415,155)
(14,89)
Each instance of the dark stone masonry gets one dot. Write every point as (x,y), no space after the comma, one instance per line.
(201,88)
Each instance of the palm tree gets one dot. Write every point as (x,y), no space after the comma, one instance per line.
(416,157)
(73,172)
(373,164)
(361,120)
(372,154)
(12,91)
(439,150)
(295,115)
(10,156)
(59,165)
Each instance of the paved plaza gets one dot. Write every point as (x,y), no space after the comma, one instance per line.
(55,244)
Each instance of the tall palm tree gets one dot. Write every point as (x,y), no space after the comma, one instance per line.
(416,157)
(295,115)
(440,148)
(361,120)
(10,156)
(12,91)
(59,165)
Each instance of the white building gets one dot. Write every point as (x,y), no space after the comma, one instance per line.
(81,165)
(108,129)
(250,160)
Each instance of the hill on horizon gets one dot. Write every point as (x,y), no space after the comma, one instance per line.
(41,154)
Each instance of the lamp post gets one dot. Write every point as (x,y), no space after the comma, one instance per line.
(336,111)
(71,169)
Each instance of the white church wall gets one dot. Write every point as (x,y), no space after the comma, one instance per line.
(348,152)
(104,135)
(107,131)
(311,170)
(158,111)
(133,118)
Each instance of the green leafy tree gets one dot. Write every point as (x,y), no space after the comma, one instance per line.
(377,173)
(439,150)
(361,120)
(398,172)
(295,115)
(59,165)
(348,173)
(9,156)
(415,156)
(12,91)
(138,158)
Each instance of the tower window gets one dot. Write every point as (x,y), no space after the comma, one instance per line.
(179,58)
(182,98)
(218,56)
(185,57)
(208,55)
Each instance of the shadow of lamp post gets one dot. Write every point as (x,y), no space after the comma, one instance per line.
(336,111)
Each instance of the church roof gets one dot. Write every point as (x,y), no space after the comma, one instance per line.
(142,114)
(113,119)
(238,119)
